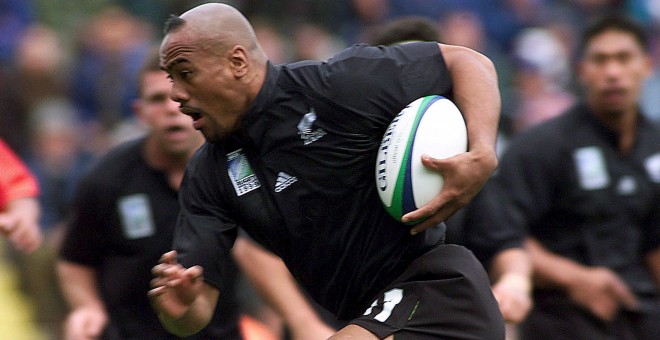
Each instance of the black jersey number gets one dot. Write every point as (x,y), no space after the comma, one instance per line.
(391,298)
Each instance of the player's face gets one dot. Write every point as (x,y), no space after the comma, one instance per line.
(173,130)
(203,84)
(613,70)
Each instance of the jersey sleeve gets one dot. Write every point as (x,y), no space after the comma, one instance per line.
(16,181)
(204,233)
(525,183)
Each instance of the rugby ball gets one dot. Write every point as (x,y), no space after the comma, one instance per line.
(430,125)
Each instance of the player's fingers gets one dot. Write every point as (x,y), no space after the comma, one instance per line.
(157,290)
(624,295)
(194,272)
(437,164)
(440,215)
(426,211)
(169,257)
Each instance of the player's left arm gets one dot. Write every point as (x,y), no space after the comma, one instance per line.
(476,93)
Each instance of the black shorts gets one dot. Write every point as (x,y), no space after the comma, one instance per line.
(444,294)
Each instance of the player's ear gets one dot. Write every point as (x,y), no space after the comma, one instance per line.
(238,61)
(138,110)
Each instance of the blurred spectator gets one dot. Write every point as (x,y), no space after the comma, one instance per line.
(361,18)
(15,17)
(466,28)
(112,45)
(36,75)
(650,100)
(541,75)
(313,42)
(56,159)
(272,41)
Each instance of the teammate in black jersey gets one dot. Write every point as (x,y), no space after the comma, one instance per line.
(584,187)
(290,158)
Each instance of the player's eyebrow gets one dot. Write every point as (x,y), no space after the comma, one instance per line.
(173,63)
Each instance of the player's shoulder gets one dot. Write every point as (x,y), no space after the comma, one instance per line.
(545,139)
(114,163)
(415,49)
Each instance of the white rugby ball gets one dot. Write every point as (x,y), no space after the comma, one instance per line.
(430,125)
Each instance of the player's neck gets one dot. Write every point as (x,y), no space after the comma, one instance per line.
(159,158)
(625,125)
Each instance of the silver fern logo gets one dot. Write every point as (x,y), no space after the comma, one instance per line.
(305,128)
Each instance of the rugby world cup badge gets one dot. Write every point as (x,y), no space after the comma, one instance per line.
(240,173)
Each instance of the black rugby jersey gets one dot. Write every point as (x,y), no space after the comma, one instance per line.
(300,177)
(123,220)
(569,186)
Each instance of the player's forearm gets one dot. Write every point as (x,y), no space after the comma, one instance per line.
(514,266)
(78,285)
(476,93)
(196,317)
(551,269)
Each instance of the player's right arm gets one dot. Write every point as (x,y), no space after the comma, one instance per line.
(183,301)
(87,317)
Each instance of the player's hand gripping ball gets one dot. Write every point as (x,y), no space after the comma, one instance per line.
(430,125)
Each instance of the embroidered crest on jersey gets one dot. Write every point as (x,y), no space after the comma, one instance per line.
(652,165)
(305,128)
(283,181)
(591,168)
(240,173)
(136,218)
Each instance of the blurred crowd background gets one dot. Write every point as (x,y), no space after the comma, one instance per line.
(68,73)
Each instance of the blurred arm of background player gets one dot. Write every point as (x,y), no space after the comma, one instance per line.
(88,316)
(19,208)
(271,278)
(599,289)
(511,272)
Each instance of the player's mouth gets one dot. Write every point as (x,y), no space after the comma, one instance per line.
(614,94)
(176,132)
(195,114)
